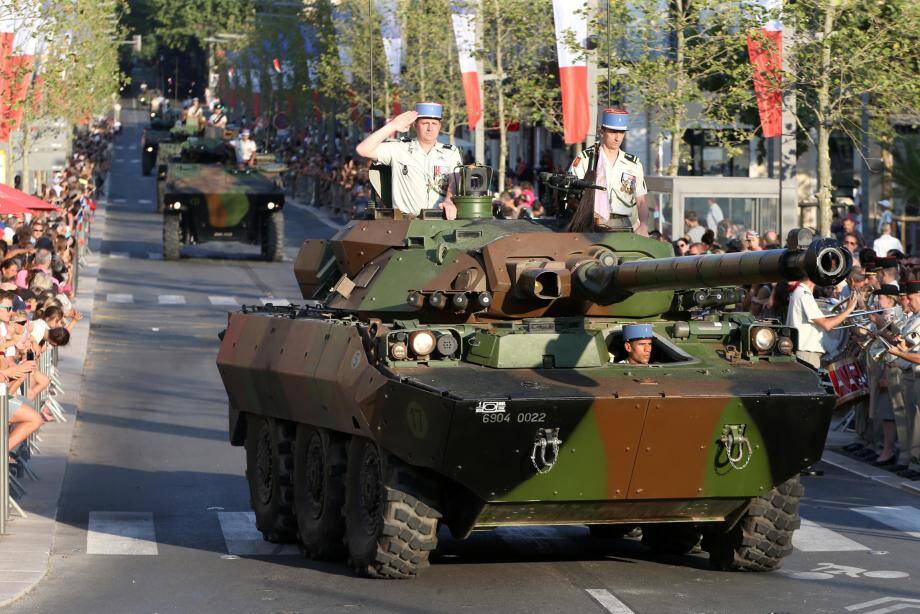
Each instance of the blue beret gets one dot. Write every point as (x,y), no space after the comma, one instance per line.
(616,119)
(428,109)
(637,331)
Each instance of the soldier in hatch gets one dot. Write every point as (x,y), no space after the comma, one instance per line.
(637,341)
(422,168)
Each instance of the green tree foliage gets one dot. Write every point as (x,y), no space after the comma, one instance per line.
(683,62)
(846,53)
(176,23)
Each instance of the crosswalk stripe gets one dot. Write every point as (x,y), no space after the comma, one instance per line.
(144,201)
(812,537)
(899,517)
(171,299)
(223,300)
(608,601)
(119,255)
(281,302)
(242,538)
(121,533)
(154,256)
(119,298)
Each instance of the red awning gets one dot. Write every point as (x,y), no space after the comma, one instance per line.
(22,200)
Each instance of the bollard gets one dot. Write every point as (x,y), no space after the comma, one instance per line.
(4,460)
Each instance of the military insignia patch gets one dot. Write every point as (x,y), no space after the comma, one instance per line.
(576,161)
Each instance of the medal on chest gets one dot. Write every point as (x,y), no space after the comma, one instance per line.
(628,183)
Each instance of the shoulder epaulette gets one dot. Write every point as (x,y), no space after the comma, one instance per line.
(448,146)
(589,150)
(631,158)
(405,138)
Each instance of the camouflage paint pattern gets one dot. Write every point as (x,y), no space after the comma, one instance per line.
(639,443)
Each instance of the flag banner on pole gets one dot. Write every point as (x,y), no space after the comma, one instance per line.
(392,45)
(19,43)
(464,20)
(256,89)
(765,50)
(571,24)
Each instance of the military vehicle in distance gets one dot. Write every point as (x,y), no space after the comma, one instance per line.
(168,151)
(467,373)
(207,197)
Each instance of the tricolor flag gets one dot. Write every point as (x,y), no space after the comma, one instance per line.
(571,21)
(256,89)
(392,45)
(464,19)
(765,49)
(18,44)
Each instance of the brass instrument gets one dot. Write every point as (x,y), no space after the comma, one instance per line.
(884,338)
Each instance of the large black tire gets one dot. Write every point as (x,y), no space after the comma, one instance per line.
(273,237)
(270,473)
(320,463)
(389,528)
(610,531)
(670,538)
(763,536)
(172,237)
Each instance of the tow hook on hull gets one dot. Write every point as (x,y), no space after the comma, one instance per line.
(545,451)
(737,446)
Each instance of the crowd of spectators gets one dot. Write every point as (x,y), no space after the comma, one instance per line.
(38,278)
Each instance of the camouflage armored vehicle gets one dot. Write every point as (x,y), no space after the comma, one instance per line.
(467,373)
(150,143)
(169,151)
(208,198)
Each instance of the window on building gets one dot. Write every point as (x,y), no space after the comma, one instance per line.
(706,157)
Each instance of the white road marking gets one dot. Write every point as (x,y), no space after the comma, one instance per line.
(121,533)
(119,255)
(119,159)
(243,538)
(812,537)
(119,200)
(171,299)
(607,601)
(897,603)
(227,301)
(154,255)
(144,201)
(135,160)
(281,302)
(119,298)
(900,517)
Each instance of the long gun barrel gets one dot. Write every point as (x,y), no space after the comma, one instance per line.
(824,261)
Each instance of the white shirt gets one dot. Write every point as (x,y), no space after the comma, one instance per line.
(803,310)
(696,233)
(885,243)
(420,178)
(625,181)
(244,149)
(714,216)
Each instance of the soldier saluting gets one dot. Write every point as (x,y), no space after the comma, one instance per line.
(620,172)
(422,168)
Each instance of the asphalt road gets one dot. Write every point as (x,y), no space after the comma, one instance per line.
(151,463)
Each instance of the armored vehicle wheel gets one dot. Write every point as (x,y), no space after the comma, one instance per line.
(670,538)
(269,471)
(172,237)
(389,530)
(319,492)
(273,237)
(763,536)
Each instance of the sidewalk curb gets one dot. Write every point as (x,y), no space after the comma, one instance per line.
(861,469)
(30,541)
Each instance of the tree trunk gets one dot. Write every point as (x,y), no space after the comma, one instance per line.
(451,96)
(24,126)
(823,112)
(502,128)
(677,134)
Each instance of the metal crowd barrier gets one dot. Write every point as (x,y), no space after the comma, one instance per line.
(12,485)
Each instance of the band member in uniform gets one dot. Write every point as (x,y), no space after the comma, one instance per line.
(422,168)
(909,360)
(620,172)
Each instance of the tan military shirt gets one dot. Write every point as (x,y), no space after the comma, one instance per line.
(420,178)
(624,180)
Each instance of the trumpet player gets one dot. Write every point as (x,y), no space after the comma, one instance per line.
(907,350)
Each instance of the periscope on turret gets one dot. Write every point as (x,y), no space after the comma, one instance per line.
(467,373)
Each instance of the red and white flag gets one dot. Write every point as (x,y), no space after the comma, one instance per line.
(765,49)
(571,21)
(464,19)
(19,39)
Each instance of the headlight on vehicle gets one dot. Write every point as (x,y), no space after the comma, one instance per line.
(763,339)
(422,342)
(153,115)
(177,205)
(271,206)
(150,148)
(398,351)
(784,345)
